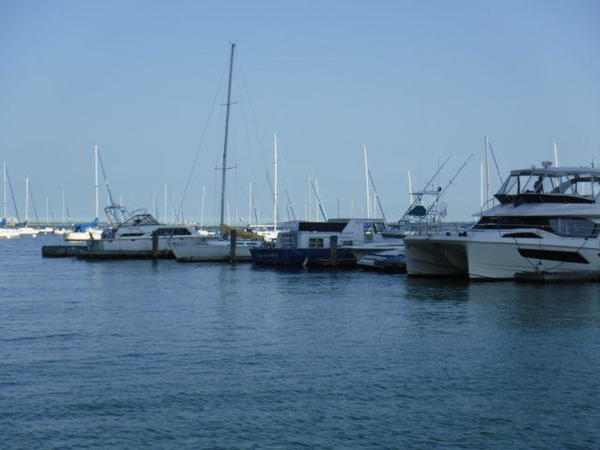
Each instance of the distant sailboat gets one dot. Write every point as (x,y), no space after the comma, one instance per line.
(88,231)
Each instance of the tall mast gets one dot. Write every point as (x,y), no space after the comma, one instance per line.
(367,183)
(410,189)
(202,207)
(555,157)
(5,198)
(47,211)
(487,172)
(274,182)
(64,208)
(165,206)
(96,178)
(26,199)
(250,205)
(224,166)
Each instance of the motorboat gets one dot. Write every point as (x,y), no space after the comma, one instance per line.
(545,226)
(138,236)
(84,232)
(390,261)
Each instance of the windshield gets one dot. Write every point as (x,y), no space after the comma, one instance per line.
(579,185)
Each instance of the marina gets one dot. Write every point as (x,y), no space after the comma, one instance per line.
(286,225)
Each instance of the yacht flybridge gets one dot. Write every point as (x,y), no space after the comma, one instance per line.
(545,226)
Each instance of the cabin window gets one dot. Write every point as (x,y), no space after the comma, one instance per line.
(315,242)
(173,232)
(562,226)
(132,234)
(574,227)
(348,243)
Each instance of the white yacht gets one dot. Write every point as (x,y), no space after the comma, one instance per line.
(545,226)
(139,236)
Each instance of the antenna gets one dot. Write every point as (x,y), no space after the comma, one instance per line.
(556,154)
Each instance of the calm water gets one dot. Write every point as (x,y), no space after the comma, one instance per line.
(138,354)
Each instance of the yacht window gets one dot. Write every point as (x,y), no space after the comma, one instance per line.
(315,242)
(562,226)
(132,234)
(573,227)
(173,232)
(349,243)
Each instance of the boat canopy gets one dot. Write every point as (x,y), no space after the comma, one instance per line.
(140,219)
(84,226)
(551,185)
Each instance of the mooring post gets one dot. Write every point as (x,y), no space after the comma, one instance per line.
(232,244)
(333,247)
(155,244)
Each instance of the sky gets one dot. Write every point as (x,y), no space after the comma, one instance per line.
(414,81)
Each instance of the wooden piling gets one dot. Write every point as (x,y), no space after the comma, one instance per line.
(155,244)
(232,244)
(333,247)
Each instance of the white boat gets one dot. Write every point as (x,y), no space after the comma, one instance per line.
(546,226)
(211,248)
(9,233)
(27,231)
(89,234)
(392,261)
(139,236)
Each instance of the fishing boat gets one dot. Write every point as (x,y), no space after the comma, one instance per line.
(545,226)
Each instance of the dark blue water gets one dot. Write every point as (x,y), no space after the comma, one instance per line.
(138,354)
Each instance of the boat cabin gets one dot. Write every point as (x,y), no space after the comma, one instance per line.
(350,232)
(551,185)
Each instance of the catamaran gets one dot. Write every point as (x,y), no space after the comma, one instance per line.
(545,226)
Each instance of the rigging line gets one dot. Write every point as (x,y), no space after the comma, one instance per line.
(12,195)
(112,202)
(377,197)
(197,155)
(35,213)
(495,162)
(246,91)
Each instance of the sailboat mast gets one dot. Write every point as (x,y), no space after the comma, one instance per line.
(224,166)
(368,196)
(64,207)
(274,182)
(202,207)
(26,199)
(487,172)
(96,178)
(5,198)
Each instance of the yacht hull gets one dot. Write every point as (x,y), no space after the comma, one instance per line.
(490,255)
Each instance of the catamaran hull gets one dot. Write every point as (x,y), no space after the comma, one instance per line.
(490,256)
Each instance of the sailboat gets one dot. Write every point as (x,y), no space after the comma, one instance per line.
(216,248)
(88,231)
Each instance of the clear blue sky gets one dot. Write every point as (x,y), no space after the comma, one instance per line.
(413,80)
